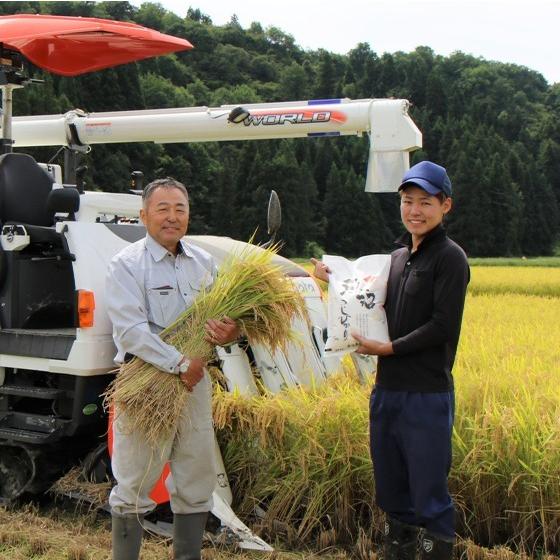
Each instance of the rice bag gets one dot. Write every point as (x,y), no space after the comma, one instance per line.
(357,292)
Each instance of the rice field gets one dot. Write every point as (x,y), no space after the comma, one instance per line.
(303,456)
(507,440)
(521,280)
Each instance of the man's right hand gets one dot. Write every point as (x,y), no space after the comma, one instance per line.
(194,374)
(321,271)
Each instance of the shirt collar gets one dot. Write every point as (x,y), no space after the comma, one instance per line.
(158,252)
(436,234)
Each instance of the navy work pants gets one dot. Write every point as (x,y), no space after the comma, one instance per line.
(410,442)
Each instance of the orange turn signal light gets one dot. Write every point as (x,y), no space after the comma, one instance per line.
(86,306)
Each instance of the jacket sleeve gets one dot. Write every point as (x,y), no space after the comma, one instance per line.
(126,306)
(451,277)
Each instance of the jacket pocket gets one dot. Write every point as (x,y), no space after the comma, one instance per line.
(161,305)
(418,283)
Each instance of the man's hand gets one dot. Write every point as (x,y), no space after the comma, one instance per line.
(194,374)
(221,332)
(321,271)
(372,347)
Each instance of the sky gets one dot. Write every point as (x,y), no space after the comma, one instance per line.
(521,32)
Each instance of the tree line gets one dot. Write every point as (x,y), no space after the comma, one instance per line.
(495,126)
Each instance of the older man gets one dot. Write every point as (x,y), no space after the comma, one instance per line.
(150,283)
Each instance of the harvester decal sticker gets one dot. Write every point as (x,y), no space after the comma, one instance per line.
(300,116)
(98,129)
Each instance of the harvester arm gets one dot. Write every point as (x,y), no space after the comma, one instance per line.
(392,132)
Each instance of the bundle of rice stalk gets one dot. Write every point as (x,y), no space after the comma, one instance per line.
(249,289)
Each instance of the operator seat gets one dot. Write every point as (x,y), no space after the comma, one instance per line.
(24,191)
(36,282)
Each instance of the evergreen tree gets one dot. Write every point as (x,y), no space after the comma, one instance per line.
(505,208)
(540,219)
(294,83)
(470,222)
(495,126)
(327,79)
(355,224)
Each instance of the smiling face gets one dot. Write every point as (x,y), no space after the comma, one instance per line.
(166,216)
(421,212)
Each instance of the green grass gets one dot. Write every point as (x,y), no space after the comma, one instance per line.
(516,261)
(553,262)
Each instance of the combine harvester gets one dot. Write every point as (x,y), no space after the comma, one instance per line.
(56,348)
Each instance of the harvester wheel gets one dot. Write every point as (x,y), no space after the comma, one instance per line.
(96,467)
(17,471)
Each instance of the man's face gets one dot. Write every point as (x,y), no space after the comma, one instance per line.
(422,212)
(166,216)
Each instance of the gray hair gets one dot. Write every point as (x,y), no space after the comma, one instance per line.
(166,183)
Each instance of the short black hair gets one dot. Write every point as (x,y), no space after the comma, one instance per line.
(165,183)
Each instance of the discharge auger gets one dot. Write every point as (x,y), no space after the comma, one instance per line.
(393,134)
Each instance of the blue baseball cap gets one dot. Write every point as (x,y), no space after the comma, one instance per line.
(429,176)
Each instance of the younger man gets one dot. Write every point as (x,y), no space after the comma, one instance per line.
(412,403)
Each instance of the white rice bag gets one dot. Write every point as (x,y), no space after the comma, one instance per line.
(357,292)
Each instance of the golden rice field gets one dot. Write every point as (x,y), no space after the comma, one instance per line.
(303,456)
(537,281)
(507,440)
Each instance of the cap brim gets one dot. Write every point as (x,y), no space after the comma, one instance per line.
(423,184)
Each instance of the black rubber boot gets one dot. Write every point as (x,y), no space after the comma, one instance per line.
(188,530)
(434,548)
(400,541)
(127,536)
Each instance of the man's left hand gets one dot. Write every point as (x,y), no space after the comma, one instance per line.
(221,332)
(372,347)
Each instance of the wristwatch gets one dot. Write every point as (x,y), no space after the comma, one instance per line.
(184,366)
